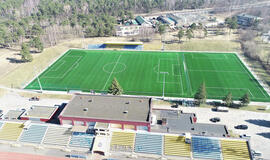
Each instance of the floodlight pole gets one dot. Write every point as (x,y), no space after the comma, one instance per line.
(163,83)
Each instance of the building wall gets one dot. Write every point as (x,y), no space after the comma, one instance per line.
(85,121)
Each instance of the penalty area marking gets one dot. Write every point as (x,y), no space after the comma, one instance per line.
(232,89)
(73,66)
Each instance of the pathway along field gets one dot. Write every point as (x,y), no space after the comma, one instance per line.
(145,72)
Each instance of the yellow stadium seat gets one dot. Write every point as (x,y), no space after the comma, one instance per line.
(176,146)
(234,150)
(122,141)
(11,131)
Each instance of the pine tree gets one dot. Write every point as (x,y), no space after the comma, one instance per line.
(180,34)
(25,53)
(245,99)
(115,88)
(228,99)
(200,96)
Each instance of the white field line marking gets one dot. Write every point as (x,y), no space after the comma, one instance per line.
(199,70)
(45,69)
(112,72)
(150,92)
(173,70)
(187,75)
(180,73)
(70,68)
(57,67)
(241,64)
(158,69)
(232,89)
(210,58)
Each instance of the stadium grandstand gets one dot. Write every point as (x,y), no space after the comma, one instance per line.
(133,142)
(122,141)
(34,134)
(117,45)
(148,143)
(176,146)
(11,131)
(82,140)
(57,136)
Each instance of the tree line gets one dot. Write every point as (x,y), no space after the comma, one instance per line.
(49,21)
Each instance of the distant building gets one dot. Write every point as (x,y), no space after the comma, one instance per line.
(113,111)
(142,21)
(266,37)
(166,20)
(129,30)
(247,20)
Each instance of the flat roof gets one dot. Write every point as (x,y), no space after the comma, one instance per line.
(13,114)
(178,122)
(44,112)
(108,108)
(124,43)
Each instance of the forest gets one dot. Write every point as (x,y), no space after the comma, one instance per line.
(45,22)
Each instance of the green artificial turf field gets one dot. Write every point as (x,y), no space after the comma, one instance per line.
(146,72)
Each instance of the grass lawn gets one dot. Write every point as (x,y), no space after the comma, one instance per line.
(255,108)
(205,45)
(145,73)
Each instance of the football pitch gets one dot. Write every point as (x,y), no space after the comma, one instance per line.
(179,74)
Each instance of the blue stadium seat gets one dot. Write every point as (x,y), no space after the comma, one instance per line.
(148,143)
(96,46)
(1,124)
(82,140)
(206,148)
(133,47)
(34,134)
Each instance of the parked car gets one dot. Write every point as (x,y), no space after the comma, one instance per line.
(35,98)
(245,136)
(221,109)
(256,153)
(242,126)
(215,119)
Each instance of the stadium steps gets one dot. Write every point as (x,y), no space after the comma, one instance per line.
(81,140)
(148,143)
(176,146)
(122,141)
(57,136)
(206,148)
(11,131)
(234,149)
(34,134)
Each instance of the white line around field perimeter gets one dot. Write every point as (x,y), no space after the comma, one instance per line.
(112,72)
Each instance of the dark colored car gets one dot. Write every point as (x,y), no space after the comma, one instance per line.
(242,126)
(35,98)
(215,119)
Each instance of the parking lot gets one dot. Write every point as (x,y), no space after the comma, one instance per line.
(258,125)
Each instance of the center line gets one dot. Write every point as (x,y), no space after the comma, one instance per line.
(111,72)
